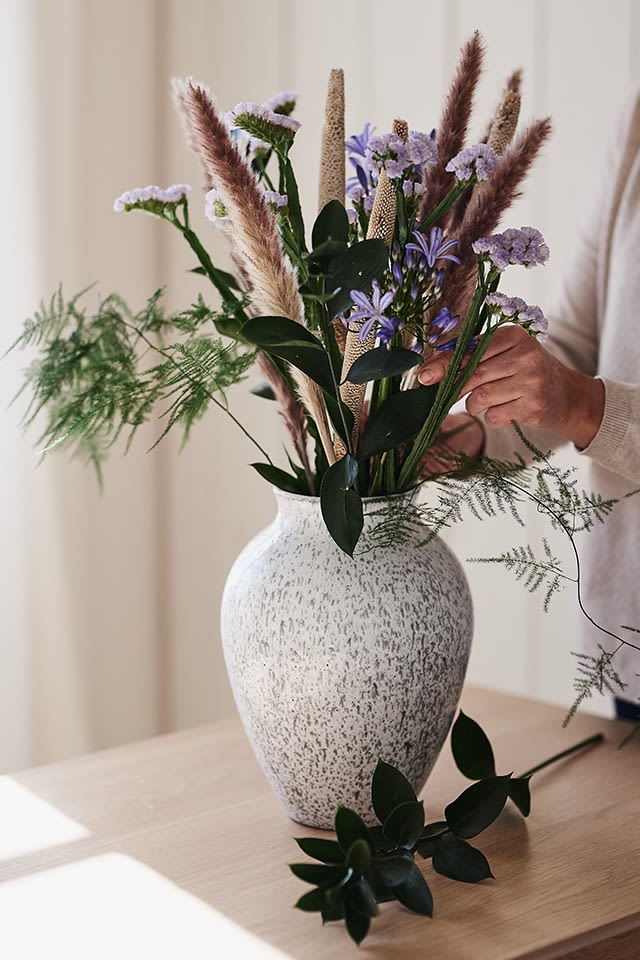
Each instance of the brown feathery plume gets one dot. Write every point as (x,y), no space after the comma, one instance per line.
(332,173)
(179,99)
(254,233)
(453,123)
(381,227)
(487,206)
(291,412)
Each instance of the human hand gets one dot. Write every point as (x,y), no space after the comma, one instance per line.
(518,380)
(461,435)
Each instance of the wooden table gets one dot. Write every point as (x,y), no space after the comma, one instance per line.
(176,848)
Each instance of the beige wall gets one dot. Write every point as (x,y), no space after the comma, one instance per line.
(109,627)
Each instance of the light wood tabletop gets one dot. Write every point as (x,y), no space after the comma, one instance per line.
(176,847)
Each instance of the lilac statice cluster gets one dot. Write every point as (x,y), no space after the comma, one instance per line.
(517,310)
(151,198)
(263,124)
(474,163)
(524,246)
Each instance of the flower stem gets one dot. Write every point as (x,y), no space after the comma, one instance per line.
(590,741)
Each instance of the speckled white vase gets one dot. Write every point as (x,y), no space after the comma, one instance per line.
(335,661)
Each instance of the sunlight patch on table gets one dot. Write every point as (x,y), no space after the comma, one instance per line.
(28,823)
(112,906)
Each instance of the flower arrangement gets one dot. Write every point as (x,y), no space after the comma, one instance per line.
(403,260)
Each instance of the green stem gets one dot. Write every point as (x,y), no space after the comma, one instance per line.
(590,741)
(447,201)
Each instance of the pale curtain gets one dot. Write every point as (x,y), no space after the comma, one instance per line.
(109,603)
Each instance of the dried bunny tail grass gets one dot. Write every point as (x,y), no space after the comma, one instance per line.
(178,87)
(513,85)
(504,125)
(332,171)
(453,122)
(381,227)
(254,232)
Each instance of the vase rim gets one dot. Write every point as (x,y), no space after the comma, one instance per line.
(303,497)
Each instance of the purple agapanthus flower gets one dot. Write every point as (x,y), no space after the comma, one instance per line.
(434,248)
(452,344)
(478,161)
(372,311)
(441,325)
(525,246)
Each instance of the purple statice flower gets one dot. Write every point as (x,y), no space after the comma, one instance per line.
(525,246)
(283,102)
(260,112)
(214,208)
(369,201)
(529,316)
(372,311)
(441,325)
(265,127)
(435,248)
(478,162)
(390,152)
(275,199)
(411,188)
(352,216)
(151,196)
(421,148)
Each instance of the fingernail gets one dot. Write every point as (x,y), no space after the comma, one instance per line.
(426,376)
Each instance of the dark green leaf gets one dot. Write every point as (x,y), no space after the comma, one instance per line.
(458,860)
(471,749)
(318,260)
(361,899)
(357,925)
(332,912)
(339,414)
(477,806)
(405,823)
(520,793)
(381,843)
(292,342)
(319,873)
(228,278)
(382,362)
(355,269)
(331,224)
(393,870)
(414,893)
(389,788)
(383,893)
(426,848)
(359,856)
(313,901)
(341,504)
(263,390)
(328,851)
(279,478)
(398,420)
(349,827)
(434,829)
(337,891)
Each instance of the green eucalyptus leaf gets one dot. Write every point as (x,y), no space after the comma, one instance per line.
(405,823)
(341,504)
(357,925)
(398,420)
(331,223)
(349,828)
(477,806)
(319,873)
(389,788)
(393,870)
(382,362)
(328,851)
(520,793)
(471,749)
(355,269)
(362,899)
(359,856)
(264,390)
(414,893)
(292,342)
(457,859)
(279,478)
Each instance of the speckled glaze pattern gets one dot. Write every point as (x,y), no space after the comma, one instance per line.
(335,661)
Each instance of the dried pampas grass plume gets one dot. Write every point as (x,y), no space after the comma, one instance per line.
(254,231)
(332,172)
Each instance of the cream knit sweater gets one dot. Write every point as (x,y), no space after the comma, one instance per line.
(595,328)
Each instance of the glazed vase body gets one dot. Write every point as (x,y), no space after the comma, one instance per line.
(336,661)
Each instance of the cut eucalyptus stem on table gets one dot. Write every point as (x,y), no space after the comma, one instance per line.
(366,866)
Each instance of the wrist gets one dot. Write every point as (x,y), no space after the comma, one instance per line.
(586,409)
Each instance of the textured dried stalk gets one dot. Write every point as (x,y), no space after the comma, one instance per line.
(401,129)
(453,123)
(504,126)
(254,232)
(513,84)
(332,173)
(381,227)
(340,333)
(487,206)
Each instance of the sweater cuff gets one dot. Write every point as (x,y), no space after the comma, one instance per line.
(605,445)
